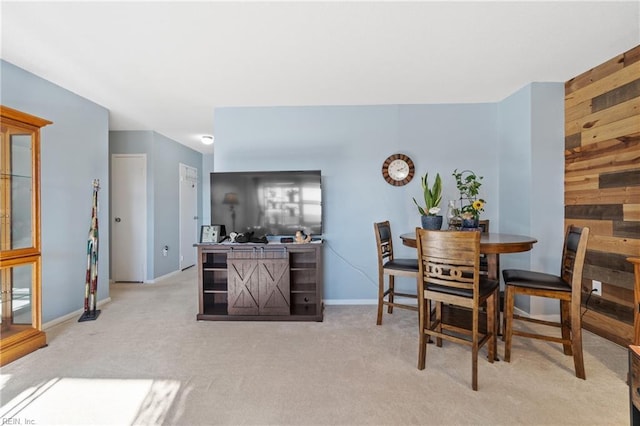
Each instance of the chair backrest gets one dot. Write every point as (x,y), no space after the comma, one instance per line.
(384,242)
(450,263)
(573,254)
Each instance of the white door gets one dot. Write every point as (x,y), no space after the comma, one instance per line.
(188,215)
(128,217)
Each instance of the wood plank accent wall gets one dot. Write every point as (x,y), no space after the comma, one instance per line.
(602,186)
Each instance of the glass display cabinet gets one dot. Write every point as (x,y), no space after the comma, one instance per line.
(20,258)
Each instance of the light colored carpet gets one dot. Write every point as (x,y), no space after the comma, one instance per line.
(146,360)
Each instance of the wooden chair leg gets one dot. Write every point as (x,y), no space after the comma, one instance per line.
(439,322)
(391,290)
(491,325)
(380,298)
(504,314)
(576,343)
(424,322)
(565,321)
(474,351)
(508,327)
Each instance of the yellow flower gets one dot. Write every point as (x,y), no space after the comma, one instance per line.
(478,205)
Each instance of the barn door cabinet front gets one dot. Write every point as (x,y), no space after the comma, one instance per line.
(258,281)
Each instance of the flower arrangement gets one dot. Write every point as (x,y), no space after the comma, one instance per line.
(473,210)
(468,183)
(432,196)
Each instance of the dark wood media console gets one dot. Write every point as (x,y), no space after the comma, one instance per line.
(260,282)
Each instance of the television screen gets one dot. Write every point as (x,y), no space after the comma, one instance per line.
(267,203)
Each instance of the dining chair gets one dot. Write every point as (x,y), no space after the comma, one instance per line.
(391,266)
(484,265)
(565,287)
(450,276)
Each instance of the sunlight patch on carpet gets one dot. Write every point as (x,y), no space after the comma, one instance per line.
(72,401)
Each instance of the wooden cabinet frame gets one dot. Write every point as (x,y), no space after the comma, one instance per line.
(253,282)
(20,338)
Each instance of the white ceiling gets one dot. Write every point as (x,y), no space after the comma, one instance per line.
(165,66)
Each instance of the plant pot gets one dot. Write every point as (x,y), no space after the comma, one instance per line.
(432,222)
(470,224)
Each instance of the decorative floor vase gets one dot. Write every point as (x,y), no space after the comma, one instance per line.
(432,222)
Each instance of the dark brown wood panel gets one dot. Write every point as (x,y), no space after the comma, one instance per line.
(613,310)
(618,179)
(609,276)
(572,141)
(613,261)
(619,295)
(597,212)
(628,229)
(616,96)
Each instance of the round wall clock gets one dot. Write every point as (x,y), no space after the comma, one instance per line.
(398,170)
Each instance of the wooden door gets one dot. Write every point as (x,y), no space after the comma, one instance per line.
(274,286)
(129,221)
(258,282)
(242,284)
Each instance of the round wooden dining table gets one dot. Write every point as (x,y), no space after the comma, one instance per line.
(492,244)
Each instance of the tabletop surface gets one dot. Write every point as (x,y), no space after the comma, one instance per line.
(489,238)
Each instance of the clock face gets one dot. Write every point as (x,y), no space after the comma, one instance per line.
(398,170)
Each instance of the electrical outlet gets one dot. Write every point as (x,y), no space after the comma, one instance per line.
(596,287)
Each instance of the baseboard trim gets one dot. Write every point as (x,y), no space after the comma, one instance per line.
(350,301)
(406,300)
(72,315)
(162,277)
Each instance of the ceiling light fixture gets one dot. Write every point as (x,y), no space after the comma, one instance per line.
(207,140)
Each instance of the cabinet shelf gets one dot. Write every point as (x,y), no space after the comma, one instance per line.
(303,288)
(303,298)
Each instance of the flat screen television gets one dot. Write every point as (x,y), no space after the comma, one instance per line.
(267,203)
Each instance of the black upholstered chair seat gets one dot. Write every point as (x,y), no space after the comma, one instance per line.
(486,287)
(402,265)
(537,280)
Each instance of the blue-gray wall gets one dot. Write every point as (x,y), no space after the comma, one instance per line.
(516,144)
(74,152)
(531,169)
(349,145)
(164,156)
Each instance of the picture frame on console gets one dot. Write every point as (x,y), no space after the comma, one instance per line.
(212,233)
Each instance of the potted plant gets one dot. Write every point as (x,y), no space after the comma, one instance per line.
(432,199)
(468,184)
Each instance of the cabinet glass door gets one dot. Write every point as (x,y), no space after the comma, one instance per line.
(16,298)
(16,202)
